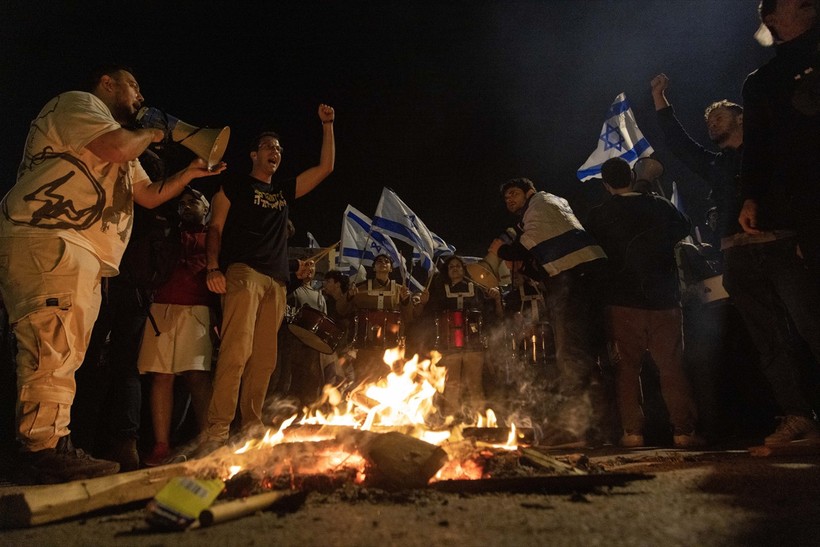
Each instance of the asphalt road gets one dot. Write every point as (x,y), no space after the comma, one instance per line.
(725,497)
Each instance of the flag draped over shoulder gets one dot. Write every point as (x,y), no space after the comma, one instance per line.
(620,137)
(360,244)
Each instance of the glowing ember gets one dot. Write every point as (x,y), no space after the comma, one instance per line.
(460,470)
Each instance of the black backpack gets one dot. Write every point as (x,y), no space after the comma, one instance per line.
(154,248)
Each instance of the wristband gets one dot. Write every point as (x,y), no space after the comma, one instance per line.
(212,270)
(327,121)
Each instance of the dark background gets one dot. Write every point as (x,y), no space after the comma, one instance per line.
(441,101)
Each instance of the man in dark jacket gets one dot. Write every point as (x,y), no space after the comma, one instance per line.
(638,233)
(780,190)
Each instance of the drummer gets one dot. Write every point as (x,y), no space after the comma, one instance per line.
(381,300)
(334,287)
(461,306)
(526,314)
(307,364)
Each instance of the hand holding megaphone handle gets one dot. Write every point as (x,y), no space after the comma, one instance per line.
(509,236)
(150,117)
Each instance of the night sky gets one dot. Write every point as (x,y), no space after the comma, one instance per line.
(441,101)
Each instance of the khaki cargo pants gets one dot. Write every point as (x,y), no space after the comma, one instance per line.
(51,289)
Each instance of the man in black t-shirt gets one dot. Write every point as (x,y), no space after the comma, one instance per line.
(248,265)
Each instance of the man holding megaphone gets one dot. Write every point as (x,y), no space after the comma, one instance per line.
(64,225)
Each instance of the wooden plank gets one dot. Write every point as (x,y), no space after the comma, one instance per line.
(235,509)
(548,462)
(498,435)
(34,505)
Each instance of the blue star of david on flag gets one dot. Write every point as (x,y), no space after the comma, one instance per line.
(612,138)
(360,244)
(619,137)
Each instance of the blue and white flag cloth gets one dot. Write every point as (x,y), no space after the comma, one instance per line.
(620,138)
(394,218)
(360,244)
(441,248)
(312,243)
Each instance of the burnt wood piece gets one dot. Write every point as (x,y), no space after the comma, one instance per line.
(235,509)
(498,435)
(34,505)
(546,484)
(545,461)
(312,431)
(398,461)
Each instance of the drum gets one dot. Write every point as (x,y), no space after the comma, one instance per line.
(460,329)
(482,274)
(377,329)
(316,330)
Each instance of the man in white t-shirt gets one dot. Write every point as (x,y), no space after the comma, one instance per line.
(63,226)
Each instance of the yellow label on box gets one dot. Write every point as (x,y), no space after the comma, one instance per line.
(181,501)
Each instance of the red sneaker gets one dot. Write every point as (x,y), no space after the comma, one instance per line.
(159,455)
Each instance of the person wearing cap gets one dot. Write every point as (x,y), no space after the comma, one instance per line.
(780,192)
(176,340)
(639,232)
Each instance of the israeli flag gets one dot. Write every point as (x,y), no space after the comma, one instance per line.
(441,248)
(360,244)
(394,218)
(620,138)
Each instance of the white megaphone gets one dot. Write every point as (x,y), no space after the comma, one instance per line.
(491,272)
(208,144)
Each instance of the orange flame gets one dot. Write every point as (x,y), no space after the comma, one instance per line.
(403,399)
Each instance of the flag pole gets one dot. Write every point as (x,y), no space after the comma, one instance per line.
(324,251)
(429,280)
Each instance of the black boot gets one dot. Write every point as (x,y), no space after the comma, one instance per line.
(63,463)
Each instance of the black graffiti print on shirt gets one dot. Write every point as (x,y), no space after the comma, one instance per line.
(56,206)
